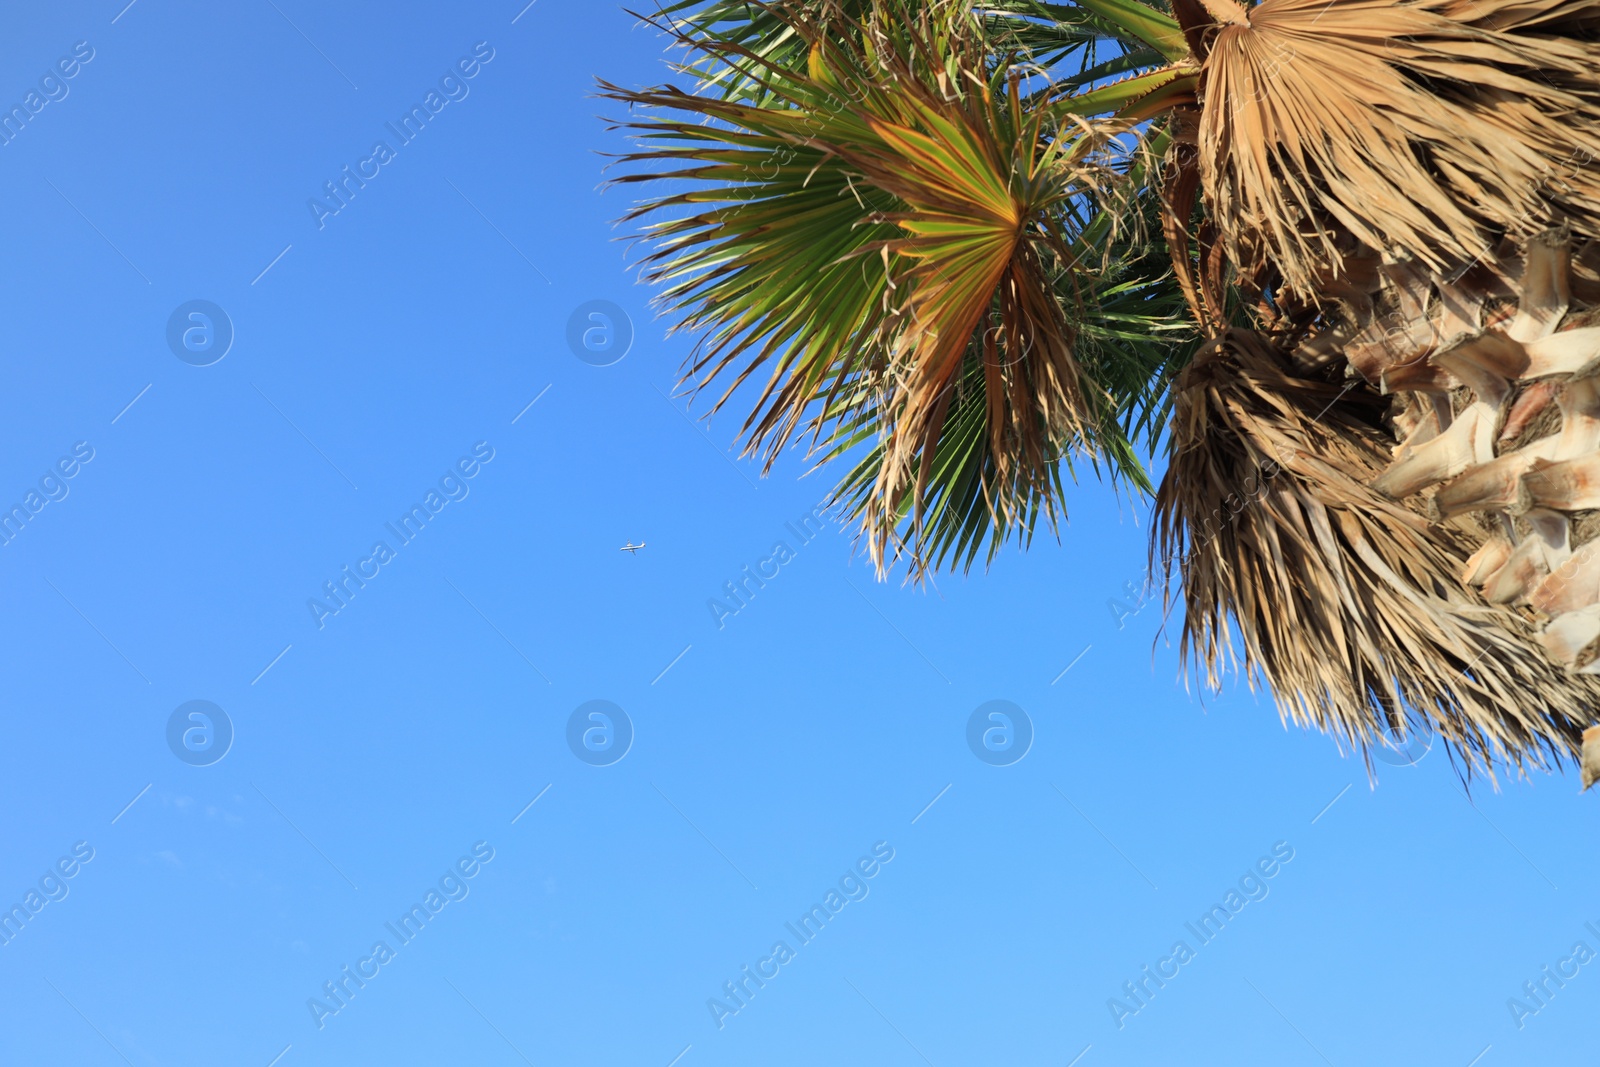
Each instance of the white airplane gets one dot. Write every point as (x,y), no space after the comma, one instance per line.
(631,548)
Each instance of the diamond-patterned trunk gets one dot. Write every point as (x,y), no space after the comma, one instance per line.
(1496,380)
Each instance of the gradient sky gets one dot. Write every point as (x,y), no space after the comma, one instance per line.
(829,715)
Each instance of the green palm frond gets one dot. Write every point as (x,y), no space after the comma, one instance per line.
(1131,341)
(891,233)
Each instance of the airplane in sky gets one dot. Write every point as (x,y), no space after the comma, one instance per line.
(631,548)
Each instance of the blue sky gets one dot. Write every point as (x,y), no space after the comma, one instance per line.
(381,352)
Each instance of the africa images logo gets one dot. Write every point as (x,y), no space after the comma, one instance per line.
(52,887)
(338,992)
(52,487)
(452,88)
(1252,887)
(852,886)
(452,486)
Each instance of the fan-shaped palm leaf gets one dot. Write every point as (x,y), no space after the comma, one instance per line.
(877,222)
(1424,129)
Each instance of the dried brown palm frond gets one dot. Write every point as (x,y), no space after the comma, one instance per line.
(1348,604)
(1422,130)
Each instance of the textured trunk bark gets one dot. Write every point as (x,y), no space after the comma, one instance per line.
(1526,472)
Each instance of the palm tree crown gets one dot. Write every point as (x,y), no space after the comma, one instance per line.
(1334,255)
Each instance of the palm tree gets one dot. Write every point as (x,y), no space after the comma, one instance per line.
(1340,258)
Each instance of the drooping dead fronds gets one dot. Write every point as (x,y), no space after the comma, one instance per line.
(1349,606)
(1422,129)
